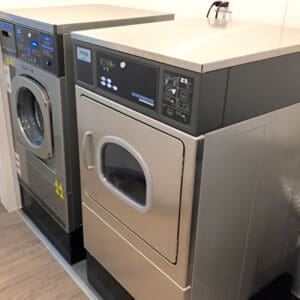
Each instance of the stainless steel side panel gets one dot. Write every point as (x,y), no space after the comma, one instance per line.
(231,163)
(245,233)
(145,281)
(162,157)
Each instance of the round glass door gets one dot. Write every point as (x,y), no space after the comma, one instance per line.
(30,116)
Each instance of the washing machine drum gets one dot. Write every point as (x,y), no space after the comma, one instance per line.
(31,115)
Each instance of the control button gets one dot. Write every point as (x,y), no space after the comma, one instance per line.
(184,80)
(109,85)
(48,63)
(181,117)
(186,107)
(184,95)
(169,112)
(108,80)
(171,80)
(103,83)
(171,90)
(115,88)
(122,64)
(102,78)
(34,44)
(29,34)
(185,83)
(169,101)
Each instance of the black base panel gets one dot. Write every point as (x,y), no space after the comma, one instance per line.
(110,289)
(69,245)
(103,282)
(279,289)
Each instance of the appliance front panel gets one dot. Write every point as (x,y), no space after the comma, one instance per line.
(40,179)
(134,171)
(117,254)
(61,136)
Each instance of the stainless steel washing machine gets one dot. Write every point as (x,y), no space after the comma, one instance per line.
(189,154)
(39,75)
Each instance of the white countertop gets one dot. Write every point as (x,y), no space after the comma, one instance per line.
(195,44)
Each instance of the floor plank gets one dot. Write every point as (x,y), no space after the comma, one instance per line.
(2,209)
(27,269)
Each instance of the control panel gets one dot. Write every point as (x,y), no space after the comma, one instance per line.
(160,91)
(36,48)
(136,82)
(7,38)
(177,97)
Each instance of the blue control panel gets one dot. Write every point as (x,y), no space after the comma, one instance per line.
(36,48)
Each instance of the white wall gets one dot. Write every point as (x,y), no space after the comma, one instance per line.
(37,3)
(292,18)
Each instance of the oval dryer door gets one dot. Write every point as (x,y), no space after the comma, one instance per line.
(31,116)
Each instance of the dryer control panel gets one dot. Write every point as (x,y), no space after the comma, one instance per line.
(134,81)
(163,92)
(177,97)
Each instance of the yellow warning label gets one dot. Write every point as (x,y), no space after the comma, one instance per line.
(10,61)
(59,190)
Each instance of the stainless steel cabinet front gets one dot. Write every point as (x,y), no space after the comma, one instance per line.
(134,171)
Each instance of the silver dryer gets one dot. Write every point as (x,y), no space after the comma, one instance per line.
(189,157)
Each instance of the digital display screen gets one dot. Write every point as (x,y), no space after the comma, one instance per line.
(107,64)
(47,38)
(19,31)
(49,48)
(5,26)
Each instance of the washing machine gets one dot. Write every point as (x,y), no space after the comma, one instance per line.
(189,154)
(38,67)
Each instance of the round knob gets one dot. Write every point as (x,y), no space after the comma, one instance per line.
(122,64)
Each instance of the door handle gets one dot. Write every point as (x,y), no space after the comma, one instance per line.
(85,148)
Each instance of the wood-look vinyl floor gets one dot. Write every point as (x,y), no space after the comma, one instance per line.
(2,209)
(27,270)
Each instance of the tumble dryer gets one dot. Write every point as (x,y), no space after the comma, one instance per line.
(189,152)
(38,65)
